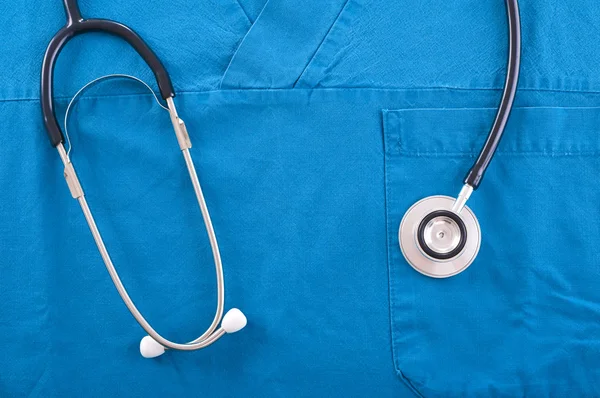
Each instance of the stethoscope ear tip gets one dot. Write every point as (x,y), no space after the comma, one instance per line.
(150,348)
(234,321)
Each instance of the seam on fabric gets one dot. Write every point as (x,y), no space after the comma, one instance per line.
(420,150)
(423,88)
(39,379)
(335,21)
(409,383)
(387,240)
(240,45)
(86,97)
(406,153)
(244,11)
(486,108)
(399,88)
(184,92)
(389,244)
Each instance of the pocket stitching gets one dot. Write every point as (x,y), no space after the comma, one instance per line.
(389,242)
(395,120)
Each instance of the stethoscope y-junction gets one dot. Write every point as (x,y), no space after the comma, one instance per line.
(153,344)
(440,236)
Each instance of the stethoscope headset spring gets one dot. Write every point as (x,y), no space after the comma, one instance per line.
(154,344)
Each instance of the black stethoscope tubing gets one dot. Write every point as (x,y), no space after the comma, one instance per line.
(475,174)
(75,26)
(443,218)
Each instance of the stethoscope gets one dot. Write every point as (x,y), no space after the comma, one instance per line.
(154,344)
(440,236)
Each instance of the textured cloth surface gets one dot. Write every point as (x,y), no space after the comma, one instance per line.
(315,126)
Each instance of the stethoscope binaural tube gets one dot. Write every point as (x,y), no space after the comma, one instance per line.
(154,344)
(439,236)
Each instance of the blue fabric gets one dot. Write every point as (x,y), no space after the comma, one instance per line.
(314,127)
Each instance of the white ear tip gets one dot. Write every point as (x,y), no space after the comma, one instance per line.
(149,348)
(233,321)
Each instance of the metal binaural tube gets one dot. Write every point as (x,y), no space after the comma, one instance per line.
(461,200)
(211,334)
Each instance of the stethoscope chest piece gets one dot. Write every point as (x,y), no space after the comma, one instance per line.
(436,241)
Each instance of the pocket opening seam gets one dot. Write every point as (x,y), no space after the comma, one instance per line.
(419,154)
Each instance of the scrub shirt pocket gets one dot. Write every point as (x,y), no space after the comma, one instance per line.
(523,319)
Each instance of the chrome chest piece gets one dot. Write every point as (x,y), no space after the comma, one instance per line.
(437,241)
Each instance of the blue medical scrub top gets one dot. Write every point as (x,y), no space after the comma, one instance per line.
(315,125)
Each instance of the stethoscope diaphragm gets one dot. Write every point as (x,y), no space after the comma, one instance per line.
(436,241)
